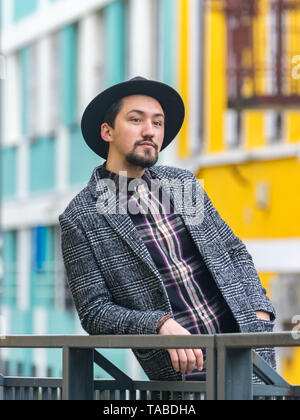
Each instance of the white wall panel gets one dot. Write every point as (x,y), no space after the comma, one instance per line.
(11,102)
(141,46)
(90,59)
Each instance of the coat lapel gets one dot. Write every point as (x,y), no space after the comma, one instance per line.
(110,207)
(115,213)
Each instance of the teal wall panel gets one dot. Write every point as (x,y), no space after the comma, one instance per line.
(1,16)
(23,8)
(8,295)
(82,159)
(42,165)
(167,29)
(21,324)
(59,322)
(9,172)
(68,74)
(25,60)
(115,42)
(116,356)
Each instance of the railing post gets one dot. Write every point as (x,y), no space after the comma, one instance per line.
(78,374)
(211,372)
(1,387)
(235,370)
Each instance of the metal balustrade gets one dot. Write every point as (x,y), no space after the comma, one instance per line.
(230,364)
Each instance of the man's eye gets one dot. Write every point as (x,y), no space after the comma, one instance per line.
(135,119)
(158,123)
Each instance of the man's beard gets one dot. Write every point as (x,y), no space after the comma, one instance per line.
(143,161)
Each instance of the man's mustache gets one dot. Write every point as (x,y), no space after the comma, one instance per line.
(148,141)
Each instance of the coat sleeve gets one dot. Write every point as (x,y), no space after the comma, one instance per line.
(97,312)
(242,261)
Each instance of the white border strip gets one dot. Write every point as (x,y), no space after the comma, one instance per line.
(273,255)
(32,211)
(240,156)
(45,21)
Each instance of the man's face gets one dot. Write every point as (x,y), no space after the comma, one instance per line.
(140,121)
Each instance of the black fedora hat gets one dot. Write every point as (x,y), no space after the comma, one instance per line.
(93,116)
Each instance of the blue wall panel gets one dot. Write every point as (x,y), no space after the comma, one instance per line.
(42,267)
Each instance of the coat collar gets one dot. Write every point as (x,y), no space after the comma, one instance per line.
(98,186)
(116,215)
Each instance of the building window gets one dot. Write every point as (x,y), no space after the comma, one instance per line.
(262,40)
(233,128)
(274,126)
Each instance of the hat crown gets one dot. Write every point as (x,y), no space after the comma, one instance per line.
(94,114)
(138,78)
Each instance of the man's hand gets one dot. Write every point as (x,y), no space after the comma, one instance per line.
(263,315)
(186,360)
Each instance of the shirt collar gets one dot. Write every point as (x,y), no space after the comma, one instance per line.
(121,180)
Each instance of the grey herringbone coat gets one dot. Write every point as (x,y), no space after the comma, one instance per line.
(116,287)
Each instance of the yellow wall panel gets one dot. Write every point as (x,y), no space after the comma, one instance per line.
(234,191)
(254,129)
(293,126)
(215,83)
(183,83)
(291,366)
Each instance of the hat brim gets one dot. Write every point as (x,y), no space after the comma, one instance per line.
(94,114)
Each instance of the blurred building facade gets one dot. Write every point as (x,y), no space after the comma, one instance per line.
(237,68)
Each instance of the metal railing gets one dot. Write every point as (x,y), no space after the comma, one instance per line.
(230,365)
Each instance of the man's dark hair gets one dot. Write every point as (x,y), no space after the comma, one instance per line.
(112,112)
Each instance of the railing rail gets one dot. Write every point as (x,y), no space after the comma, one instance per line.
(230,365)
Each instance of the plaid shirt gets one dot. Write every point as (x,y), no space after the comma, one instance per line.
(196,302)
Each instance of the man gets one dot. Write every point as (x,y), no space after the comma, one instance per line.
(142,260)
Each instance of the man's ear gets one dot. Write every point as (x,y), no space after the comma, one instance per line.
(106,132)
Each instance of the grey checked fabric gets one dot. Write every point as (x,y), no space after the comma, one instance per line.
(117,288)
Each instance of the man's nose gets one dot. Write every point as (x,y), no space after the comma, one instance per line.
(148,130)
